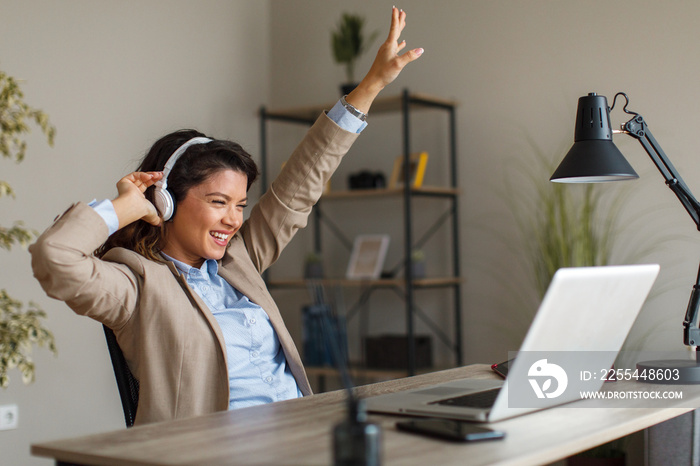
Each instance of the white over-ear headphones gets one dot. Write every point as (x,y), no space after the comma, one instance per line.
(162,199)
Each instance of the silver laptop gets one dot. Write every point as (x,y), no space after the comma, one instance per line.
(585,309)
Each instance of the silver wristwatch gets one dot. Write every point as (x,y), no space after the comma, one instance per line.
(362,116)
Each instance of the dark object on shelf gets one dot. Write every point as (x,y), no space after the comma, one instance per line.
(346,89)
(316,350)
(366,180)
(390,352)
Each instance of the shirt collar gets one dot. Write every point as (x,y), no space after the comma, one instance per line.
(209,267)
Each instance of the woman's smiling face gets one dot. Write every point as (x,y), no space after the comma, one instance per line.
(208,217)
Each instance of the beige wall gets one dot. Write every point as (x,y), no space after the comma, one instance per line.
(517,69)
(116,75)
(113,76)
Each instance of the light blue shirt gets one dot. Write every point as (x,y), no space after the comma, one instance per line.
(257,367)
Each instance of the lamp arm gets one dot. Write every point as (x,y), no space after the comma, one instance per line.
(638,128)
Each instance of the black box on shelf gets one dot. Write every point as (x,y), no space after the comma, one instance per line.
(391,352)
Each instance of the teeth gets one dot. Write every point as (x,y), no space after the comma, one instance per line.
(220,236)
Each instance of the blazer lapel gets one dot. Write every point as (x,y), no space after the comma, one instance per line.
(203,308)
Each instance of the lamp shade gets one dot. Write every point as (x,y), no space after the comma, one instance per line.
(593,158)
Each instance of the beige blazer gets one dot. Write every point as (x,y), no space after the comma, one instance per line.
(169,337)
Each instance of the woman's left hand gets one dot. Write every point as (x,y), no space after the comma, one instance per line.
(387,65)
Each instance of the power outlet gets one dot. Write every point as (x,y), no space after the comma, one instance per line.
(9,417)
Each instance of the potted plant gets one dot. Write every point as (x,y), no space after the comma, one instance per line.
(20,330)
(418,264)
(348,44)
(563,225)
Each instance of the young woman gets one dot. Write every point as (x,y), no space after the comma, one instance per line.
(177,271)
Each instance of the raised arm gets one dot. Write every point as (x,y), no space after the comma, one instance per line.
(285,208)
(387,64)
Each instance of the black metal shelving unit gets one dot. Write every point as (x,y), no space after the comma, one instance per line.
(404,104)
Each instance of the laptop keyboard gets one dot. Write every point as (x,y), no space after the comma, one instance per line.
(483,399)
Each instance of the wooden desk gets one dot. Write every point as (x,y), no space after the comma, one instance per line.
(299,432)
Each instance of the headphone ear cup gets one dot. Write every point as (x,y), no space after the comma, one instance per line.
(164,202)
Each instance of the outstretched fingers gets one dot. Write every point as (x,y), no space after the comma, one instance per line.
(398,22)
(387,65)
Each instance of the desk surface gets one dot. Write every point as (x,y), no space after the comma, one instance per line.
(299,432)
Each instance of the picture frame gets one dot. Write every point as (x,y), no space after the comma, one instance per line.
(367,257)
(417,161)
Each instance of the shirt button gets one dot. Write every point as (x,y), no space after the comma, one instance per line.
(255,354)
(268,379)
(252,321)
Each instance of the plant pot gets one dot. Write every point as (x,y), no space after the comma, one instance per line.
(418,270)
(313,270)
(346,89)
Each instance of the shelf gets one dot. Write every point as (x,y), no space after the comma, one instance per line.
(390,192)
(379,283)
(403,105)
(380,105)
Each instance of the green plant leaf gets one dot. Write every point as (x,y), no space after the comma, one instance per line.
(6,189)
(20,331)
(16,234)
(14,117)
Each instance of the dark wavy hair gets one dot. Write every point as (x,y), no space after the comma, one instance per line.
(195,166)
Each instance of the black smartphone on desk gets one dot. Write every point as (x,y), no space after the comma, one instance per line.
(502,367)
(451,430)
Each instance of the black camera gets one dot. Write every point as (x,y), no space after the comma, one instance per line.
(366,180)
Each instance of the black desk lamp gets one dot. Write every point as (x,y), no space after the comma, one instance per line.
(594,158)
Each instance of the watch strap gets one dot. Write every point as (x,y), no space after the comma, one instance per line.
(350,108)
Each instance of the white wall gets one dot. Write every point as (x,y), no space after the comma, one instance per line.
(114,77)
(517,69)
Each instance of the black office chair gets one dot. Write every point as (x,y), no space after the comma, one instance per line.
(126,382)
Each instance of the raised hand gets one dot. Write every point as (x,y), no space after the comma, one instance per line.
(131,204)
(387,65)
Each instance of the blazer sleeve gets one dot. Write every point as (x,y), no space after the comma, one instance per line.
(64,264)
(287,204)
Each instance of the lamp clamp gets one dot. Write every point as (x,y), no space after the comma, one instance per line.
(691,333)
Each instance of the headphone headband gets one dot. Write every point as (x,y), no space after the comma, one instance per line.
(163,201)
(163,182)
